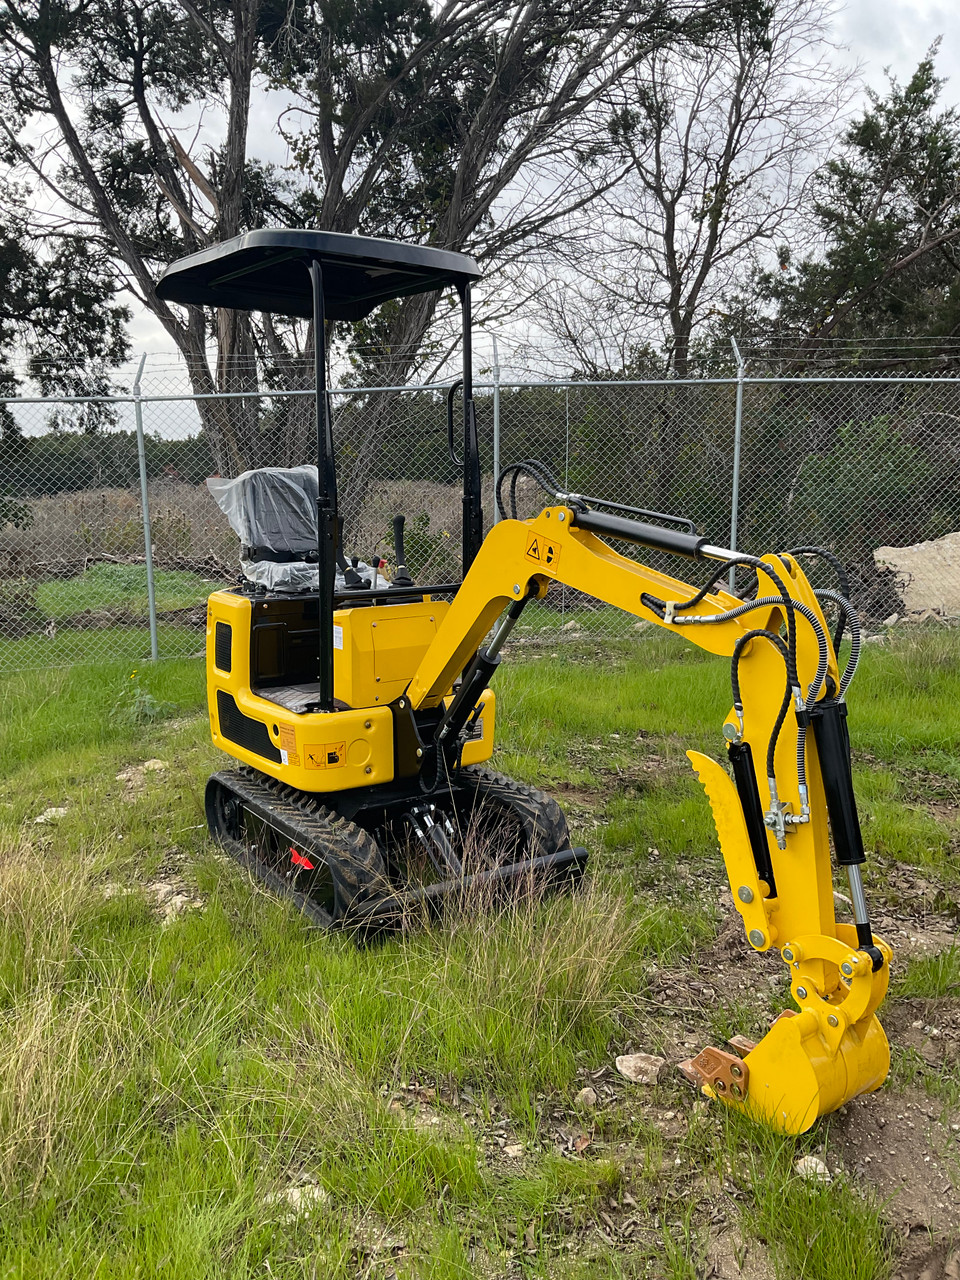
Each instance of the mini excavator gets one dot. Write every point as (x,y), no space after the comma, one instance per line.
(361,716)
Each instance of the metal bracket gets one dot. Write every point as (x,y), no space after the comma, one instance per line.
(776,818)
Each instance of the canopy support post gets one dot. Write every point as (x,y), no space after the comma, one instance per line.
(326,495)
(472,498)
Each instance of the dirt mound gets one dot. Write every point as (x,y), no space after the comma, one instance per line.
(928,574)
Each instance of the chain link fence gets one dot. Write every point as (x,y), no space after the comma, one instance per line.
(869,468)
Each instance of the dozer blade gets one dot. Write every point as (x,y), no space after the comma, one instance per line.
(811,1062)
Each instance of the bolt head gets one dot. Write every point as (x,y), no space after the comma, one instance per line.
(736,1091)
(847,969)
(833,1020)
(757,937)
(368,769)
(720,1086)
(736,1071)
(419,752)
(516,588)
(561,516)
(787,954)
(745,893)
(801,993)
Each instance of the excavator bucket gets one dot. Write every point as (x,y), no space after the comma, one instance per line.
(833,1048)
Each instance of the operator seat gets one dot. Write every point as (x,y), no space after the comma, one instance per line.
(273,511)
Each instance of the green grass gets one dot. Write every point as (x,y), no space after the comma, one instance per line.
(95,647)
(815,1230)
(160,1084)
(119,586)
(932,977)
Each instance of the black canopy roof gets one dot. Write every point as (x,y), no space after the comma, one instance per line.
(266,271)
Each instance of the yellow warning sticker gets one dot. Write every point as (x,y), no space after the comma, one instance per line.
(288,745)
(325,755)
(542,550)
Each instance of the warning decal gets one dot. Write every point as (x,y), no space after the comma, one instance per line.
(325,755)
(542,550)
(288,745)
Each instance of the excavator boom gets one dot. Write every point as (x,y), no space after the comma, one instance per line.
(789,785)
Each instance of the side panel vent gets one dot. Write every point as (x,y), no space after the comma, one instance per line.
(223,647)
(244,731)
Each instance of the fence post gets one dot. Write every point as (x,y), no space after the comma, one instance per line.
(496,425)
(145,505)
(735,488)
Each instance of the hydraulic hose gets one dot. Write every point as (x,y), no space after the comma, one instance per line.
(821,553)
(760,634)
(856,640)
(530,467)
(785,600)
(812,690)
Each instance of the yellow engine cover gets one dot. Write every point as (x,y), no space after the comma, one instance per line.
(257,649)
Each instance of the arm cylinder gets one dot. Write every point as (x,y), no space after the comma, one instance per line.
(676,541)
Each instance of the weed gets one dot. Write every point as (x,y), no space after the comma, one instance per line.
(137,705)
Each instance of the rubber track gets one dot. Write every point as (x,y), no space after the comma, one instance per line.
(351,854)
(543,821)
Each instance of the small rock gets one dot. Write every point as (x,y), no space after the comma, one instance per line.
(171,900)
(514,1150)
(889,622)
(154,766)
(301,1201)
(642,1068)
(586,1098)
(570,626)
(812,1169)
(50,815)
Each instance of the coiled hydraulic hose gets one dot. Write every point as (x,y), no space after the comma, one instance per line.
(536,471)
(853,625)
(821,553)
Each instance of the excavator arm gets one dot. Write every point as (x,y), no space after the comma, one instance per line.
(788,788)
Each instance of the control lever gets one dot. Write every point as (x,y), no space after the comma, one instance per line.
(351,579)
(401,577)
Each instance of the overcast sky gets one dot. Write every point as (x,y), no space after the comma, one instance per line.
(878,34)
(896,34)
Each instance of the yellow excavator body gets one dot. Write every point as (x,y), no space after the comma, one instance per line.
(253,660)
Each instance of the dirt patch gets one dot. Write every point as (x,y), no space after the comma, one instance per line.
(931,1027)
(729,1257)
(134,778)
(922,1259)
(896,1144)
